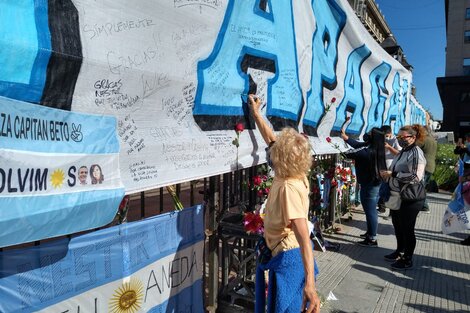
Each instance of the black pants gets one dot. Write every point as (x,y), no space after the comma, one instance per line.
(404,221)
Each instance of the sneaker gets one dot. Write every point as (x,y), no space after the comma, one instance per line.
(402,264)
(364,235)
(425,210)
(381,209)
(392,257)
(466,242)
(368,243)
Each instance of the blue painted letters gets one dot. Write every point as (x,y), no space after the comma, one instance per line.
(353,100)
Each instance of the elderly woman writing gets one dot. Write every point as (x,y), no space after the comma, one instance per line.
(407,168)
(285,223)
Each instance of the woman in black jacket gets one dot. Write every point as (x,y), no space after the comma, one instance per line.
(368,156)
(407,168)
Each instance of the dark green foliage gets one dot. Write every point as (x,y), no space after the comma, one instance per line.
(445,174)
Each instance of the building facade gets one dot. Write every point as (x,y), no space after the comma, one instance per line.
(373,20)
(454,88)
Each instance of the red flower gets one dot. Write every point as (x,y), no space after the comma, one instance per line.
(328,139)
(253,223)
(239,127)
(333,100)
(257,180)
(266,191)
(260,193)
(124,202)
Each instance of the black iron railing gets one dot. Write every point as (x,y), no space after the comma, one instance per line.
(229,251)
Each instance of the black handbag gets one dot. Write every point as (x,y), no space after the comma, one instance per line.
(263,253)
(413,192)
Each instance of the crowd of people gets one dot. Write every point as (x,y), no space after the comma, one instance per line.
(392,173)
(405,163)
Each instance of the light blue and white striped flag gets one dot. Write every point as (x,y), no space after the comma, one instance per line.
(153,265)
(59,172)
(457,215)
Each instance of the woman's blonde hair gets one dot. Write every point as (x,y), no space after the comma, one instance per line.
(290,154)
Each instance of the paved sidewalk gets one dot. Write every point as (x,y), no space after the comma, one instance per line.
(362,281)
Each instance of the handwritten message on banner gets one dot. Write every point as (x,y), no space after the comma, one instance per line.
(59,172)
(154,265)
(175,74)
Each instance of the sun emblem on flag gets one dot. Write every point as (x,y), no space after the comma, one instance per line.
(57,178)
(128,297)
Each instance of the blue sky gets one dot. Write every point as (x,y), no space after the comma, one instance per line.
(419,27)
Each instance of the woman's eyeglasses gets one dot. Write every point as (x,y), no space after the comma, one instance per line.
(403,137)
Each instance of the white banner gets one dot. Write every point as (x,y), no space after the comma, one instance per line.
(25,174)
(176,74)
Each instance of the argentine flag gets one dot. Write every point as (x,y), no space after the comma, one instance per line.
(152,265)
(457,215)
(59,172)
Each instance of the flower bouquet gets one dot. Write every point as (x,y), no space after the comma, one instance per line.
(262,184)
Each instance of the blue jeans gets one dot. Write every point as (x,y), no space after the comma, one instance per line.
(369,195)
(384,194)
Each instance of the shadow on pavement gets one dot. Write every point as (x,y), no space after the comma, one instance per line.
(427,277)
(429,308)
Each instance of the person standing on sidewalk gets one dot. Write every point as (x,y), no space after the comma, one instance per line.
(407,167)
(368,181)
(429,147)
(392,148)
(463,150)
(291,288)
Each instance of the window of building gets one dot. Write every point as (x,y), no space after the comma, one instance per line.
(467,36)
(467,14)
(466,67)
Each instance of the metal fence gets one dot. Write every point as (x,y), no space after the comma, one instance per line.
(229,251)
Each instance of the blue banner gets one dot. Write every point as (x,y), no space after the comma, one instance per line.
(154,265)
